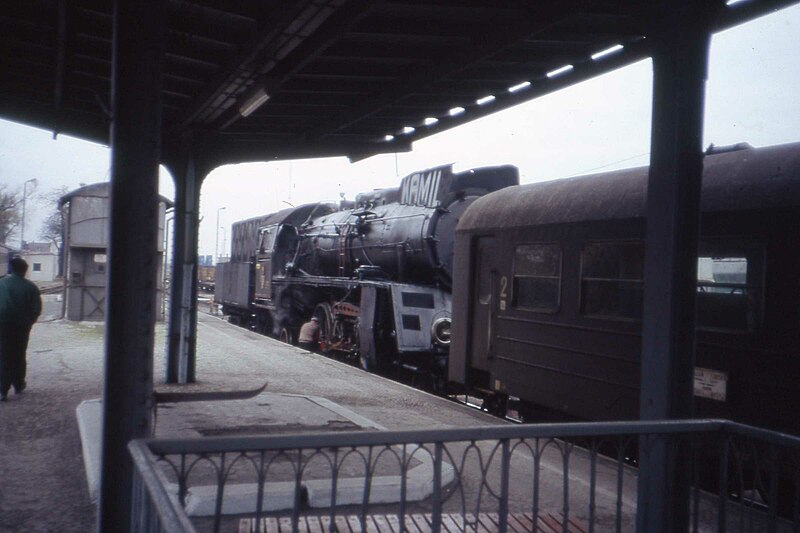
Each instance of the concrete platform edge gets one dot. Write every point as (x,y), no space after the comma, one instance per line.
(90,427)
(241,498)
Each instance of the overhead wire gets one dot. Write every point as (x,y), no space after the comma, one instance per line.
(582,172)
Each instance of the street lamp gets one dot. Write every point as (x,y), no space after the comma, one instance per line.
(224,240)
(22,224)
(216,240)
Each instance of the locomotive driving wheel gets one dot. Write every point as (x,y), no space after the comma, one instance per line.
(324,315)
(286,335)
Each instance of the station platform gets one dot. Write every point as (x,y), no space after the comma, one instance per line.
(48,472)
(310,393)
(304,393)
(49,457)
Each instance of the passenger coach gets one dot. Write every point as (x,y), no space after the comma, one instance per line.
(548,286)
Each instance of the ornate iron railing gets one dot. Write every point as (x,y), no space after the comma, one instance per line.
(497,478)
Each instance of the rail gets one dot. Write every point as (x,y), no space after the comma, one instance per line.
(571,477)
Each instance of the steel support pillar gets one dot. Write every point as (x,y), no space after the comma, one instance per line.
(182,341)
(138,51)
(680,39)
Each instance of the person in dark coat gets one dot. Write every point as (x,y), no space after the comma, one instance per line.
(20,306)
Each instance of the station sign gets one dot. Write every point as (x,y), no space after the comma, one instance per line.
(426,188)
(711,384)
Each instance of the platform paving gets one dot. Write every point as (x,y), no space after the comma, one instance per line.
(43,481)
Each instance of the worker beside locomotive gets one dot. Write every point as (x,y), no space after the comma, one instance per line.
(375,274)
(548,285)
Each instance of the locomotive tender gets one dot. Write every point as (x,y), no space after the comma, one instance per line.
(376,274)
(548,285)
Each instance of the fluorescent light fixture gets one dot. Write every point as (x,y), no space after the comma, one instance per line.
(485,100)
(731,2)
(607,51)
(409,129)
(560,70)
(388,138)
(253,101)
(456,111)
(519,86)
(430,121)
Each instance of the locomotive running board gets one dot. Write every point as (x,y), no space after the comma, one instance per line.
(177,397)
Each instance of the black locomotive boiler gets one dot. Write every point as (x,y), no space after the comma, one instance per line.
(547,293)
(377,273)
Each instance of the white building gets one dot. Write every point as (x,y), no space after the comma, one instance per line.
(42,259)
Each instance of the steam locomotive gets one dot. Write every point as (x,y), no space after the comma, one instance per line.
(548,286)
(377,273)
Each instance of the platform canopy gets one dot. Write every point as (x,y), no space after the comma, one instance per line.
(278,79)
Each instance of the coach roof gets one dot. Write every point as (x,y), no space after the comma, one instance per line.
(749,178)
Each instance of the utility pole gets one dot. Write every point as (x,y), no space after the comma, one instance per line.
(216,240)
(224,239)
(22,224)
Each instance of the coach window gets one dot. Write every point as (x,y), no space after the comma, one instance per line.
(611,279)
(537,277)
(729,287)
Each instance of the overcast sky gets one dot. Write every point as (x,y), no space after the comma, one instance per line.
(598,125)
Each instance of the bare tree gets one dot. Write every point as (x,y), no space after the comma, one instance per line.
(10,212)
(53,226)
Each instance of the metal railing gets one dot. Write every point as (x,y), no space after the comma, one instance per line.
(580,475)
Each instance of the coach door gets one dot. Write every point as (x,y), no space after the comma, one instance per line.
(483,295)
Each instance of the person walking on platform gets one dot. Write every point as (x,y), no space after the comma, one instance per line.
(20,306)
(309,335)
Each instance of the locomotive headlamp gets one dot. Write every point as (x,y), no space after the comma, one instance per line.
(440,331)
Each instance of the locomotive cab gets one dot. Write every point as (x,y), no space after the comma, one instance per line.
(276,251)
